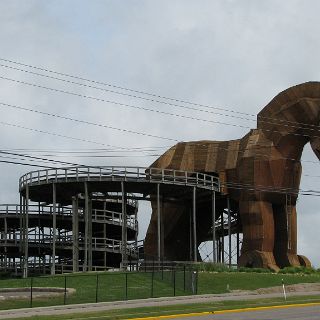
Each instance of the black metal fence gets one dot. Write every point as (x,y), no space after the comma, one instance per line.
(149,282)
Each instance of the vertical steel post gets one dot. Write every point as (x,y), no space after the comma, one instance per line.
(238,244)
(159,222)
(97,286)
(222,237)
(190,235)
(54,228)
(75,234)
(213,207)
(104,240)
(229,232)
(26,227)
(195,247)
(5,237)
(87,250)
(124,226)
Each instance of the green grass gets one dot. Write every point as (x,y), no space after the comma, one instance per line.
(217,282)
(178,309)
(111,287)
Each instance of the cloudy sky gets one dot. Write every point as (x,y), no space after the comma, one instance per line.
(235,55)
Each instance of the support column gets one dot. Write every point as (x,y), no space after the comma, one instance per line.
(238,243)
(90,247)
(87,266)
(222,237)
(159,223)
(104,252)
(124,226)
(213,207)
(190,235)
(54,229)
(194,220)
(229,232)
(5,243)
(26,227)
(75,234)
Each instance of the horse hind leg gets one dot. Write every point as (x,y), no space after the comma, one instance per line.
(258,235)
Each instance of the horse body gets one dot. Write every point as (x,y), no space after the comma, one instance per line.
(261,174)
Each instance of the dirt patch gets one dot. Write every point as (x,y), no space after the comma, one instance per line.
(300,287)
(37,292)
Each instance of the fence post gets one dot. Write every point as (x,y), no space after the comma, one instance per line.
(162,270)
(174,282)
(197,282)
(126,286)
(152,275)
(31,291)
(97,286)
(65,290)
(184,277)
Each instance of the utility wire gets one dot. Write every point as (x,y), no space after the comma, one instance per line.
(55,134)
(85,122)
(139,107)
(145,93)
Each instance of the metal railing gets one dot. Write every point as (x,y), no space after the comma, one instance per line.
(137,174)
(98,215)
(113,217)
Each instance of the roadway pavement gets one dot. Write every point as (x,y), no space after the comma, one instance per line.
(152,302)
(291,313)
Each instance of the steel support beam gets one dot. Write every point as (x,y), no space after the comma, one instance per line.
(159,223)
(124,227)
(229,233)
(54,228)
(26,227)
(222,238)
(194,220)
(87,264)
(75,234)
(213,208)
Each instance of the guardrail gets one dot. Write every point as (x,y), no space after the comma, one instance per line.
(14,209)
(153,175)
(113,217)
(102,215)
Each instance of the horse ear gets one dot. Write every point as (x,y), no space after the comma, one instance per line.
(315,145)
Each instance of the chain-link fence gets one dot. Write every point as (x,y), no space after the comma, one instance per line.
(148,282)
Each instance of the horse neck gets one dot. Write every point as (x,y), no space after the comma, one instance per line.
(290,125)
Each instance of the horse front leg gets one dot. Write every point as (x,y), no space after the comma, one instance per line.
(258,234)
(285,249)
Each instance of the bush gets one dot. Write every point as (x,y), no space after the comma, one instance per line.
(220,267)
(213,267)
(295,270)
(255,270)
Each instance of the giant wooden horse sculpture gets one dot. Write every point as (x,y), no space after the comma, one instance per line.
(261,170)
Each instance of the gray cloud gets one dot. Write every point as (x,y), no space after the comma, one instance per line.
(230,54)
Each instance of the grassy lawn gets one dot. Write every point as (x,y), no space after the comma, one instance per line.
(179,309)
(217,282)
(111,286)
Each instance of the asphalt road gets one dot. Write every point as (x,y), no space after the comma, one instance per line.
(291,313)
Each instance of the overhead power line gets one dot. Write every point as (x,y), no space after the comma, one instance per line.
(281,121)
(138,107)
(85,122)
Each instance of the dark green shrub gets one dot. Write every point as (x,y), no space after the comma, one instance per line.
(295,270)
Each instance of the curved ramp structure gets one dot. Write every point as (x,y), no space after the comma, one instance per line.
(92,221)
